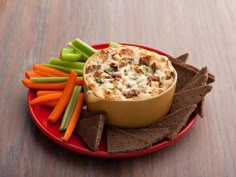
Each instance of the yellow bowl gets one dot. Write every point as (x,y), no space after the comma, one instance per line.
(132,113)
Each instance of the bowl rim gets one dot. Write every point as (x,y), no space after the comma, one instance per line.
(105,45)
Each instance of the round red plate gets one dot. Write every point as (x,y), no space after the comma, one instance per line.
(40,114)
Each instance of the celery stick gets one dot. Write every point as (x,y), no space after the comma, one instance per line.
(71,55)
(49,79)
(114,44)
(70,108)
(67,64)
(82,48)
(68,70)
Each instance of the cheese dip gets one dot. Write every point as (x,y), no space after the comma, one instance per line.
(128,73)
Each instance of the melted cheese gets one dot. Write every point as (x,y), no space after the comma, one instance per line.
(128,72)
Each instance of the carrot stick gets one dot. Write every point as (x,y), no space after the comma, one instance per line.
(31,73)
(74,118)
(51,104)
(44,86)
(48,86)
(48,71)
(45,98)
(45,92)
(66,94)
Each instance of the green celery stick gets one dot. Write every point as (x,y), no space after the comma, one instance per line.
(81,47)
(67,64)
(49,79)
(68,54)
(114,44)
(70,108)
(68,70)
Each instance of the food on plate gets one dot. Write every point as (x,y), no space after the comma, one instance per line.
(140,97)
(186,72)
(128,73)
(90,130)
(189,97)
(151,135)
(175,121)
(120,141)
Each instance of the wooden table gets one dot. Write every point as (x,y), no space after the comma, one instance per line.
(33,31)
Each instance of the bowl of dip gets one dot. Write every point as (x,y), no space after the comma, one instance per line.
(134,85)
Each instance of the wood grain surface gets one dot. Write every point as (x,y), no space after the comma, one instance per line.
(33,31)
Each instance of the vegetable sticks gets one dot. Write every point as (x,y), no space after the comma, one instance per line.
(64,69)
(74,118)
(44,86)
(81,47)
(45,92)
(48,86)
(67,64)
(60,107)
(70,108)
(48,71)
(31,73)
(45,98)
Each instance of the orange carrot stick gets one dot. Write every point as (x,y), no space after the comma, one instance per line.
(44,86)
(66,94)
(31,73)
(50,104)
(45,98)
(48,71)
(45,92)
(74,118)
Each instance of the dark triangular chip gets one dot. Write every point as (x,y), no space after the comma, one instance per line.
(90,130)
(152,135)
(120,141)
(175,121)
(199,110)
(186,72)
(198,82)
(183,57)
(202,72)
(189,97)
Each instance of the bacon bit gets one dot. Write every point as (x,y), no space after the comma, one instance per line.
(92,68)
(138,69)
(153,78)
(114,66)
(145,60)
(97,74)
(155,66)
(132,93)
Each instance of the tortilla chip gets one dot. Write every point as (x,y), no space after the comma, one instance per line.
(175,121)
(189,97)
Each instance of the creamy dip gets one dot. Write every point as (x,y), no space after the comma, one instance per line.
(128,73)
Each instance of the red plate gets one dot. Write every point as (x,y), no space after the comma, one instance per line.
(40,114)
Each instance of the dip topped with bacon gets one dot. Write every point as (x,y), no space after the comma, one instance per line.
(128,73)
